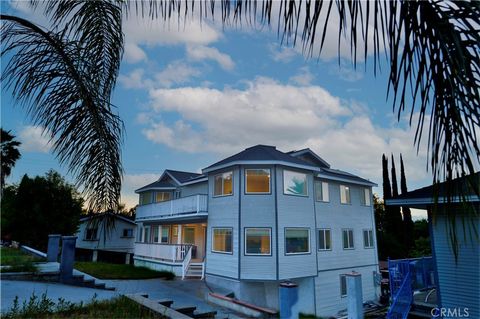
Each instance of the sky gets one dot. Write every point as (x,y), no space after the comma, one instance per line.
(195,94)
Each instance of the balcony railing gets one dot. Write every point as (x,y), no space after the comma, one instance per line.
(164,252)
(195,204)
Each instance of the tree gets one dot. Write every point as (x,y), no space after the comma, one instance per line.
(65,76)
(10,154)
(38,207)
(407,214)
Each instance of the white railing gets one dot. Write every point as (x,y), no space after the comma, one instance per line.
(203,270)
(166,252)
(194,204)
(186,262)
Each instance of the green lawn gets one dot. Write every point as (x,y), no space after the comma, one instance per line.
(18,260)
(44,308)
(120,271)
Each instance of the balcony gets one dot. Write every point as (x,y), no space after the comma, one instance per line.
(163,252)
(190,206)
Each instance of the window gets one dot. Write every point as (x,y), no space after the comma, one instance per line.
(223,184)
(146,232)
(140,234)
(368,238)
(297,240)
(155,234)
(343,285)
(145,198)
(344,194)
(321,191)
(189,235)
(165,234)
(257,241)
(294,183)
(91,234)
(257,181)
(365,197)
(348,239)
(222,240)
(127,232)
(324,239)
(162,196)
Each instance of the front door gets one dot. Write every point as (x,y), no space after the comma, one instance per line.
(189,238)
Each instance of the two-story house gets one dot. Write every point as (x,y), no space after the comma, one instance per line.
(258,218)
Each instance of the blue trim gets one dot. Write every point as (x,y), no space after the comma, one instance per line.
(434,256)
(239,221)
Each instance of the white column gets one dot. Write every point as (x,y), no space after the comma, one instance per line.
(354,295)
(179,234)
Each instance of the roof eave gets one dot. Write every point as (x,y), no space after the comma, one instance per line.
(347,180)
(259,162)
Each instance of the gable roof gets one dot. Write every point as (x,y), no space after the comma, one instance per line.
(157,185)
(466,187)
(118,216)
(308,152)
(260,154)
(182,177)
(179,178)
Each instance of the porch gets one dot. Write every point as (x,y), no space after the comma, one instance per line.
(179,248)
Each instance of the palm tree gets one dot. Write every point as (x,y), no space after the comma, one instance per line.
(64,77)
(9,153)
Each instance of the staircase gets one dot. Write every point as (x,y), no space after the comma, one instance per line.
(195,270)
(400,289)
(89,282)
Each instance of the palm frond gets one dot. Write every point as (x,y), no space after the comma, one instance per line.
(51,77)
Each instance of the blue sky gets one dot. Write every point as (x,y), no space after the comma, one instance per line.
(189,97)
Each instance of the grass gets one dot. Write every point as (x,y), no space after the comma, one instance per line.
(120,271)
(17,260)
(45,308)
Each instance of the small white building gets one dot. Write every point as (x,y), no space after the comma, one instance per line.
(96,244)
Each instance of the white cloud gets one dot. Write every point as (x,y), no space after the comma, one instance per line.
(176,72)
(135,80)
(34,139)
(283,54)
(304,77)
(346,71)
(290,117)
(133,53)
(201,52)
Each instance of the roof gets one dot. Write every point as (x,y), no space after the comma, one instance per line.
(157,185)
(463,188)
(258,154)
(125,219)
(337,174)
(312,154)
(183,177)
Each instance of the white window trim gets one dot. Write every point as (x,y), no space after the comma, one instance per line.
(269,235)
(368,236)
(306,182)
(213,241)
(324,238)
(160,234)
(365,196)
(269,181)
(300,253)
(348,238)
(223,184)
(349,201)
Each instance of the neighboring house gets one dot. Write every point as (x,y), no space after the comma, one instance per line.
(260,217)
(116,246)
(458,279)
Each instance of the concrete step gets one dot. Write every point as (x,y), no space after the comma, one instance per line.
(209,314)
(166,302)
(186,310)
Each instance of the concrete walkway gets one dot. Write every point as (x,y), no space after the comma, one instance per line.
(24,289)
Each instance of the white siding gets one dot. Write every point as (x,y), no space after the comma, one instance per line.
(114,240)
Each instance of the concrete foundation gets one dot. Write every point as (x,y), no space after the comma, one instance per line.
(53,247)
(68,258)
(354,295)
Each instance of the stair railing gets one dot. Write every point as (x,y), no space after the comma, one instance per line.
(186,261)
(400,289)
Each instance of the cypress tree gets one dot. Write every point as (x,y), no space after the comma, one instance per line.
(387,190)
(407,214)
(394,179)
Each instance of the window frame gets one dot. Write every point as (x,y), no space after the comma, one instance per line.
(95,233)
(324,238)
(348,238)
(349,197)
(245,241)
(343,277)
(323,193)
(213,241)
(149,241)
(365,196)
(160,236)
(141,196)
(370,239)
(246,181)
(163,196)
(296,172)
(223,184)
(126,230)
(285,240)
